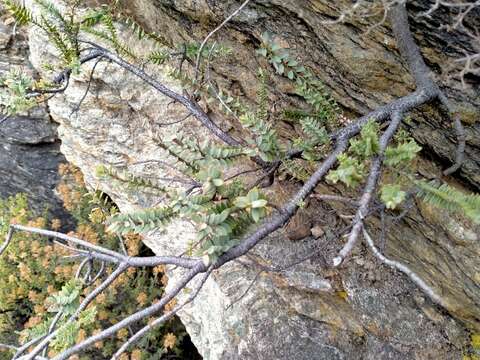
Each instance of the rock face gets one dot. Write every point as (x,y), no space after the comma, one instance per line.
(307,311)
(30,150)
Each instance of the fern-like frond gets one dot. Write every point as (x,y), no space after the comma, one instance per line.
(295,115)
(296,168)
(122,49)
(195,156)
(266,139)
(183,77)
(107,21)
(158,57)
(53,11)
(66,25)
(58,39)
(186,152)
(20,13)
(227,103)
(142,221)
(132,181)
(209,51)
(315,94)
(262,97)
(451,199)
(314,131)
(92,18)
(141,33)
(219,155)
(61,32)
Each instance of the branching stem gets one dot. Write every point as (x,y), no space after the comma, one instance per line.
(370,187)
(405,269)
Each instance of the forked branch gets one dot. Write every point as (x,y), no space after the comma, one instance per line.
(426,91)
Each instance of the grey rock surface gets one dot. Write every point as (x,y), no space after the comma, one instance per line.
(29,146)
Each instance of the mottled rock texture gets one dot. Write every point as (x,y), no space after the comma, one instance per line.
(29,147)
(309,311)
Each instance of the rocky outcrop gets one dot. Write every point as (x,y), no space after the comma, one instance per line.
(30,150)
(307,311)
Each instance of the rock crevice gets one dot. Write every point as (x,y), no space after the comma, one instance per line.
(29,145)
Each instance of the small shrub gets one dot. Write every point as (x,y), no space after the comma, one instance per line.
(38,281)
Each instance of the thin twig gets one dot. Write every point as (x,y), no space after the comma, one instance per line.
(188,103)
(242,173)
(97,251)
(230,17)
(122,245)
(51,328)
(406,270)
(99,273)
(83,305)
(81,266)
(8,239)
(249,287)
(370,186)
(176,121)
(26,346)
(161,320)
(139,315)
(90,79)
(461,137)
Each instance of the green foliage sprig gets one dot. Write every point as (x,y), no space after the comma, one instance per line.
(132,181)
(64,30)
(453,200)
(64,304)
(193,155)
(324,110)
(352,165)
(38,285)
(402,153)
(215,205)
(351,169)
(13,92)
(222,210)
(22,15)
(307,85)
(392,195)
(218,209)
(143,34)
(140,222)
(279,57)
(367,145)
(265,143)
(298,169)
